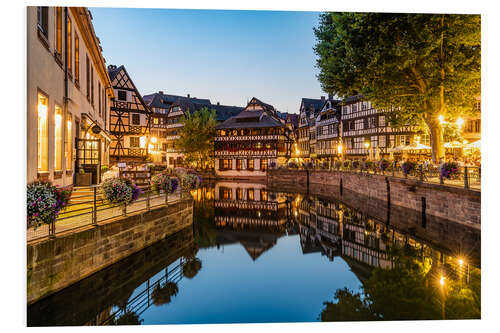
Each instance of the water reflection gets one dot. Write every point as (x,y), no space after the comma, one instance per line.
(252,251)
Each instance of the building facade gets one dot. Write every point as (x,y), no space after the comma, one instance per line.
(246,145)
(366,131)
(68,96)
(308,111)
(168,111)
(328,128)
(130,120)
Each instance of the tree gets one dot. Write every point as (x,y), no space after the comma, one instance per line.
(196,137)
(420,66)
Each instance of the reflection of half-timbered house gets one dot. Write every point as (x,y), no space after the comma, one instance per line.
(248,204)
(247,144)
(366,130)
(130,119)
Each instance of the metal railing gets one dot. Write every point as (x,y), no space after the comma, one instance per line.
(468,177)
(87,206)
(143,300)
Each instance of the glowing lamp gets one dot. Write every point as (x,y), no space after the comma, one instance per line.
(460,122)
(153,139)
(441,119)
(441,281)
(367,145)
(460,261)
(339,149)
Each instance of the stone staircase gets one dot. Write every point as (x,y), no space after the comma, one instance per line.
(83,194)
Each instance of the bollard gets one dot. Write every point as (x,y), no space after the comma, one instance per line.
(466,177)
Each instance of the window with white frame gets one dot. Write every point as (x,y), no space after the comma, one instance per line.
(359,124)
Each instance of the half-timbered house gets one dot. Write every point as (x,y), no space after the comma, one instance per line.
(130,120)
(247,144)
(328,131)
(366,131)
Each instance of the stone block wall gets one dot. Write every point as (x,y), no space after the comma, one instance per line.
(54,264)
(447,202)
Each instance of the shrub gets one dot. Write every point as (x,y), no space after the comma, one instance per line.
(120,191)
(355,164)
(408,167)
(347,164)
(44,202)
(292,165)
(163,182)
(449,170)
(368,165)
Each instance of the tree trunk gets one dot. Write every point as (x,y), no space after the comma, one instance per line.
(436,132)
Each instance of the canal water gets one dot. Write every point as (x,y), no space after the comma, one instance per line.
(256,255)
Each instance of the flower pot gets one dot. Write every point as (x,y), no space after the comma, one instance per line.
(84,179)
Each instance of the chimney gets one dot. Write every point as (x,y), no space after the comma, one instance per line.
(189,96)
(322,98)
(110,67)
(218,103)
(160,92)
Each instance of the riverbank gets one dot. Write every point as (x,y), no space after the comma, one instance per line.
(459,205)
(54,264)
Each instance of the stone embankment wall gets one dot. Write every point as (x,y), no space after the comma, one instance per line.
(447,202)
(54,264)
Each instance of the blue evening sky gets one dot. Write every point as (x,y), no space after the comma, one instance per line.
(226,56)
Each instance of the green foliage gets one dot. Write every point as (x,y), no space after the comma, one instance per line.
(422,65)
(196,137)
(408,291)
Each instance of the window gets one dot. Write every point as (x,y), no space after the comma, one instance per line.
(263,164)
(43,137)
(359,142)
(99,92)
(91,85)
(354,107)
(155,121)
(359,124)
(239,194)
(263,195)
(381,121)
(59,31)
(372,122)
(77,59)
(122,95)
(226,164)
(136,119)
(87,65)
(134,142)
(70,46)
(250,194)
(402,140)
(381,141)
(58,139)
(68,144)
(43,20)
(250,164)
(239,164)
(225,193)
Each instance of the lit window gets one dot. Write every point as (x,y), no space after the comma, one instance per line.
(250,194)
(68,143)
(43,139)
(58,138)
(77,58)
(59,30)
(69,45)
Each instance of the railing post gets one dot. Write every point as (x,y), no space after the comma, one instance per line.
(441,180)
(393,167)
(466,177)
(52,229)
(166,198)
(421,167)
(124,209)
(94,210)
(148,200)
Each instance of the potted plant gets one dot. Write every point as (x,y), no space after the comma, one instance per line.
(120,191)
(408,167)
(383,165)
(337,164)
(190,181)
(347,164)
(44,202)
(165,183)
(83,178)
(449,170)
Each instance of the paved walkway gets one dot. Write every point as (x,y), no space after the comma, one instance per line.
(68,221)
